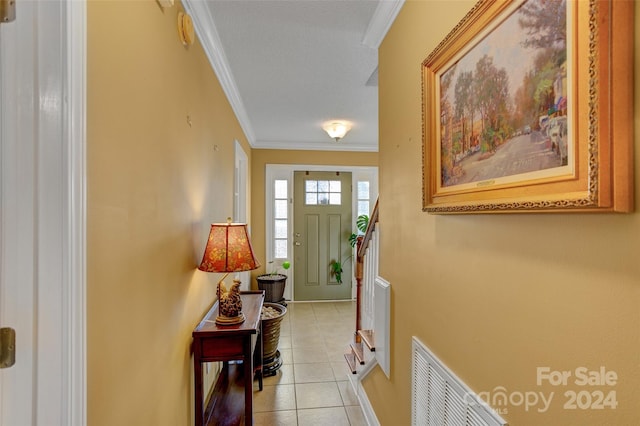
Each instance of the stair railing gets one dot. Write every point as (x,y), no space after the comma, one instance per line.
(366,272)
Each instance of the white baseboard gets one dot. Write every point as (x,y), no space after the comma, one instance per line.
(356,384)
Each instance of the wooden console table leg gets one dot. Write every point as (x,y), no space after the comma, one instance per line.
(248,384)
(199,409)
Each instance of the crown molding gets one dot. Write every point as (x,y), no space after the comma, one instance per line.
(210,40)
(383,17)
(316,146)
(205,27)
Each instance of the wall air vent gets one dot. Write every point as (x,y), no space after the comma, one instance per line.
(439,397)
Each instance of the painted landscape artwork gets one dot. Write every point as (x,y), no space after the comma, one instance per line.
(504,102)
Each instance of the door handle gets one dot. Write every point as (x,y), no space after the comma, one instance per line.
(297,235)
(297,243)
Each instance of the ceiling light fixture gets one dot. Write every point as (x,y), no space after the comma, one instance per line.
(336,129)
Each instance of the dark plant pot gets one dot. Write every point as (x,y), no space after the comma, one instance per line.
(273,286)
(271,360)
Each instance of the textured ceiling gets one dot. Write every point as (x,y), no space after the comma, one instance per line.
(289,66)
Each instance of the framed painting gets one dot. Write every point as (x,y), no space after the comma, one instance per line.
(527,106)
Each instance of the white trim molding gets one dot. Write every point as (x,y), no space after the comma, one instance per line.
(382,321)
(205,27)
(208,35)
(314,146)
(382,19)
(356,383)
(76,89)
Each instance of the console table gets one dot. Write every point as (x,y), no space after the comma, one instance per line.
(231,400)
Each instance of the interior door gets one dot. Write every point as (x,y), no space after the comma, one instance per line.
(42,236)
(322,225)
(17,219)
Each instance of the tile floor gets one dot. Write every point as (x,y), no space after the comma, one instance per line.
(311,388)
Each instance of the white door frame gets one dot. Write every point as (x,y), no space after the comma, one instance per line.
(241,182)
(240,201)
(285,172)
(76,174)
(50,43)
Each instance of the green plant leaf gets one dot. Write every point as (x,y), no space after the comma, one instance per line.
(336,269)
(362,222)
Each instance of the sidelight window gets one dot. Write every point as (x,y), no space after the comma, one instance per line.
(280,219)
(364,198)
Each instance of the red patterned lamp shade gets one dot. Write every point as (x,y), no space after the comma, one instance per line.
(228,249)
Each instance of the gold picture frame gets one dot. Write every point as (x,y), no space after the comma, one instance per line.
(521,117)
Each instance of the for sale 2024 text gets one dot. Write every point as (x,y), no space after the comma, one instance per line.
(583,399)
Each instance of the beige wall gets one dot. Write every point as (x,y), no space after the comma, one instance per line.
(155,183)
(259,160)
(496,296)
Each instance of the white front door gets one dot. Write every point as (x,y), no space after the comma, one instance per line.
(42,213)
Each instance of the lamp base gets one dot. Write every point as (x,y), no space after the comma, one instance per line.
(225,320)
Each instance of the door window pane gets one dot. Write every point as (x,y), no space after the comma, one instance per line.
(281,189)
(280,251)
(364,202)
(323,198)
(363,207)
(312,198)
(323,192)
(281,209)
(281,228)
(363,190)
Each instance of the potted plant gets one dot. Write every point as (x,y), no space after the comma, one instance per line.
(362,222)
(273,284)
(336,269)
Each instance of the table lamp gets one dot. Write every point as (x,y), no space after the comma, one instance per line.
(228,250)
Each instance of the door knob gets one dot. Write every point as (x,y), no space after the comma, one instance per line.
(297,243)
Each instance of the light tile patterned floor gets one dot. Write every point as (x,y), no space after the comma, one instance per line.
(311,388)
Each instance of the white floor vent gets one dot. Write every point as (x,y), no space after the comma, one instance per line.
(440,398)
